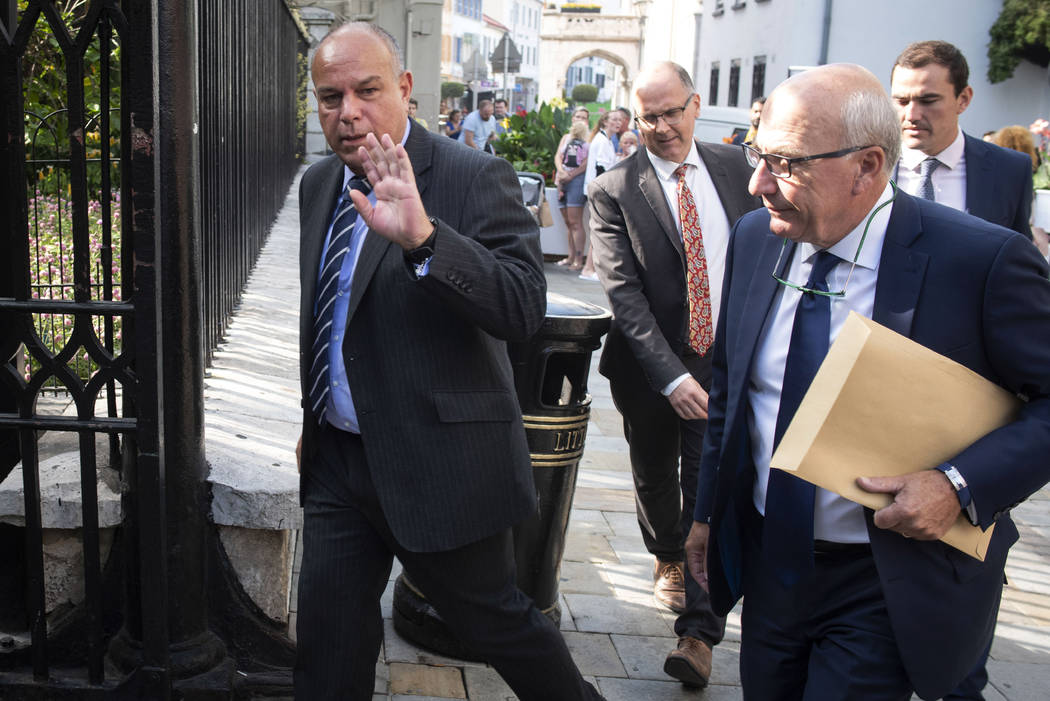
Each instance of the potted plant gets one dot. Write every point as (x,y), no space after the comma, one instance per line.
(1040,129)
(532,138)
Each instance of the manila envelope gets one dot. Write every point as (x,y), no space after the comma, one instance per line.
(883,405)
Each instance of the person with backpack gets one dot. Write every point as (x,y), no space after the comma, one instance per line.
(570,162)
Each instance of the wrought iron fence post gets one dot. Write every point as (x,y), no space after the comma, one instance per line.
(172,486)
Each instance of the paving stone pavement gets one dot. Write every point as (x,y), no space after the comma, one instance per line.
(617,633)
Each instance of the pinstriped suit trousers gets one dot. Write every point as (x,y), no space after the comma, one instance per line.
(348,551)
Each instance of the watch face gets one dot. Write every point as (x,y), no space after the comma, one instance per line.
(419,255)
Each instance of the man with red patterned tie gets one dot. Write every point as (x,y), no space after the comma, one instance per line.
(660,223)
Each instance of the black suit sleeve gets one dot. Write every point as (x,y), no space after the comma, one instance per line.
(617,265)
(490,271)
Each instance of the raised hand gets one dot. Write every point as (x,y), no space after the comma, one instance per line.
(398,213)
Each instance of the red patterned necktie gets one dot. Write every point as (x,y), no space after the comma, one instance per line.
(701,332)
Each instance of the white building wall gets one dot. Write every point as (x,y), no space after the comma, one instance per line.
(524,27)
(872,34)
(670,31)
(964,23)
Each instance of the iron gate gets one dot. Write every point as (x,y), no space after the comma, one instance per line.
(133,203)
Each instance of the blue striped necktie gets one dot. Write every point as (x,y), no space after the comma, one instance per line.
(327,290)
(788,530)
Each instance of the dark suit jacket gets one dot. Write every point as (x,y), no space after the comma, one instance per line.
(426,359)
(998,185)
(639,257)
(969,290)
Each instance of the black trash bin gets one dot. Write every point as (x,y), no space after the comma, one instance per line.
(550,377)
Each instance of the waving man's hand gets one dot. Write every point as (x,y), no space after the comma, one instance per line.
(398,213)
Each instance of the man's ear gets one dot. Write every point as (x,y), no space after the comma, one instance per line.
(871,163)
(964,99)
(404,84)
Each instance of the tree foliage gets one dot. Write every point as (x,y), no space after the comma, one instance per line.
(452,90)
(584,92)
(1022,31)
(45,94)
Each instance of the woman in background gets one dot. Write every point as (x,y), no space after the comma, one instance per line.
(628,144)
(1017,138)
(570,164)
(454,124)
(1020,139)
(601,156)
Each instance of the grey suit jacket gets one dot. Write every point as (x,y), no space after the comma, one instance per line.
(640,260)
(426,359)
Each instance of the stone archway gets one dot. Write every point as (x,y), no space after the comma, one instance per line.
(568,37)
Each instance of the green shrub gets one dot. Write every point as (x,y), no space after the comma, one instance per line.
(585,93)
(452,90)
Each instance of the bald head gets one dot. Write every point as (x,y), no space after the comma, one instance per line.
(344,31)
(660,74)
(667,108)
(844,105)
(834,135)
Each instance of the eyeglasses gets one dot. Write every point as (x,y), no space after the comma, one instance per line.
(780,166)
(671,117)
(856,256)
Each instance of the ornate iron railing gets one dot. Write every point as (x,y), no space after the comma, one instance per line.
(145,150)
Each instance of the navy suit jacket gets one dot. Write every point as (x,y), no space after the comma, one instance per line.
(998,185)
(969,290)
(426,359)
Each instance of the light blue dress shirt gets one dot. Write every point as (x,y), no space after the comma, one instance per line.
(341,412)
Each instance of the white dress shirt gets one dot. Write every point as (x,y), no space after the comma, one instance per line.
(714,224)
(600,152)
(835,518)
(949,179)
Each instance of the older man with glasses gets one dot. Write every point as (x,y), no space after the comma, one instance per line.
(841,602)
(660,224)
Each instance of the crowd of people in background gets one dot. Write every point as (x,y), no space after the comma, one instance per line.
(583,153)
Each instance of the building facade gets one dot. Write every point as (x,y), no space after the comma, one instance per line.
(747,47)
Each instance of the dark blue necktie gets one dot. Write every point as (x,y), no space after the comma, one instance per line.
(327,290)
(788,532)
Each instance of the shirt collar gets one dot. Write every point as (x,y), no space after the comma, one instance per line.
(665,169)
(871,250)
(347,173)
(911,158)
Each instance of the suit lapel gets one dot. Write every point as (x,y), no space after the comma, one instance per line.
(653,192)
(901,269)
(320,205)
(375,247)
(981,187)
(760,294)
(735,202)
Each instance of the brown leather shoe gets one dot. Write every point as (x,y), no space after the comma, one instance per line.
(669,584)
(690,663)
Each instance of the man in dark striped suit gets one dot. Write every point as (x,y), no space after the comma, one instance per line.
(418,262)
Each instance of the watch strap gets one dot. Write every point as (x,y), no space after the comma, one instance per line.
(962,490)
